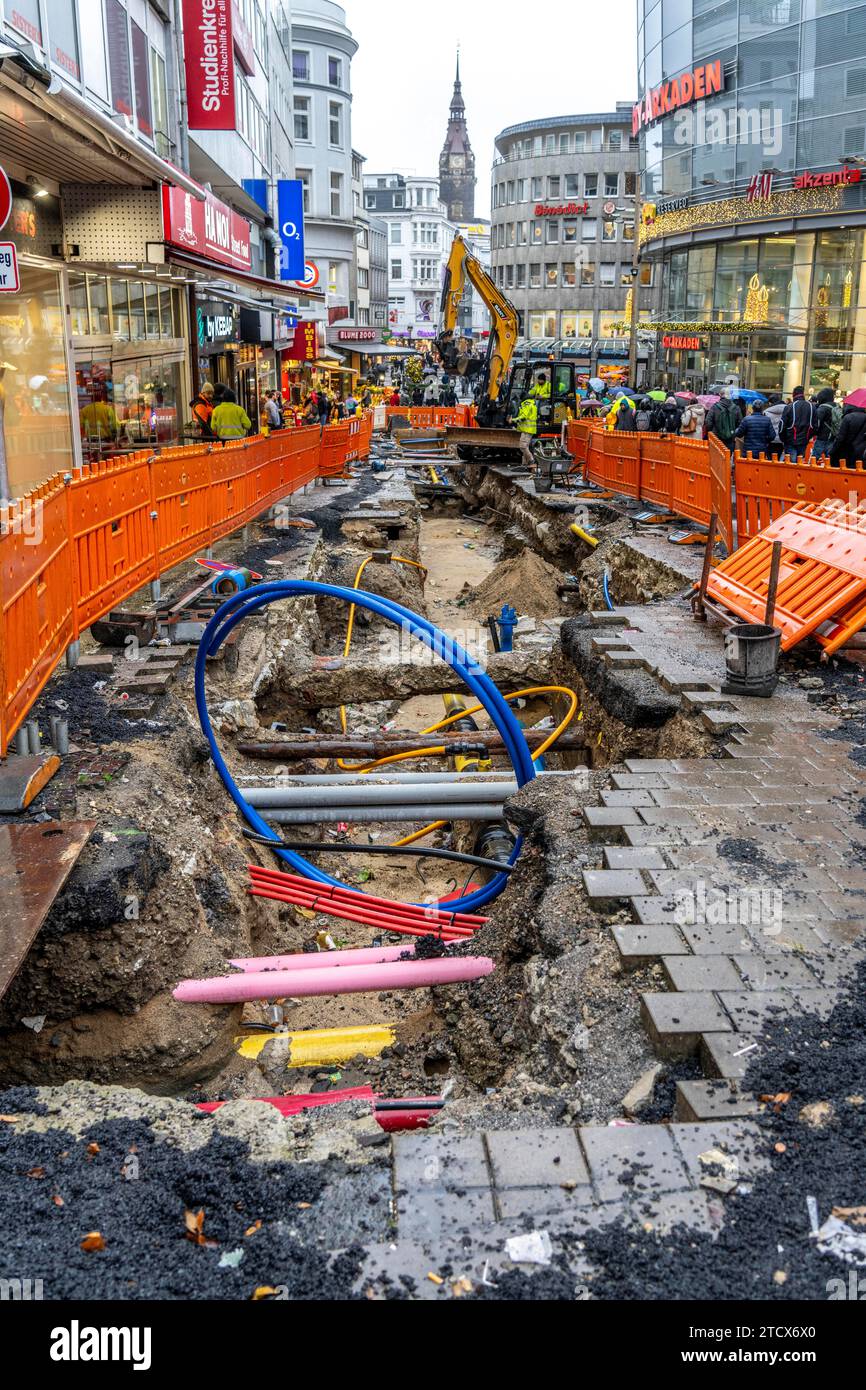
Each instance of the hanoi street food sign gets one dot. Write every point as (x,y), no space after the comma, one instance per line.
(207,228)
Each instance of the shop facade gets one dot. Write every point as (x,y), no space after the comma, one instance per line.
(751,124)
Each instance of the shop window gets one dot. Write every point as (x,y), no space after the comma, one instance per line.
(62,35)
(97,291)
(569,326)
(151,310)
(166,327)
(79,318)
(137,325)
(551,276)
(35,425)
(120,316)
(645,277)
(117,30)
(24,16)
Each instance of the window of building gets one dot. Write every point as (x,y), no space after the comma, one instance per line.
(590,185)
(335,72)
(302,119)
(551,276)
(537,145)
(614,140)
(579,141)
(336,195)
(554,184)
(300,65)
(509,277)
(572,185)
(522,234)
(396,233)
(522,190)
(333,274)
(335,124)
(117,32)
(608,230)
(587,272)
(120,309)
(551,144)
(631,185)
(565,144)
(305,178)
(537,189)
(363,278)
(569,231)
(628,231)
(509,191)
(512,234)
(425,269)
(646,274)
(589,229)
(521,277)
(543,325)
(534,275)
(537,233)
(607,275)
(611,185)
(569,274)
(553,231)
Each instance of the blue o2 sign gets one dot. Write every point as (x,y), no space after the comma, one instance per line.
(290,212)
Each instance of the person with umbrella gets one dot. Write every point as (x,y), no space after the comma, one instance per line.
(692,419)
(626,420)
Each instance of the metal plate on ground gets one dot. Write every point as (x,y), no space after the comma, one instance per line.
(35,862)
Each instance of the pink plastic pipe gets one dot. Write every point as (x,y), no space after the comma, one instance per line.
(352,979)
(323,960)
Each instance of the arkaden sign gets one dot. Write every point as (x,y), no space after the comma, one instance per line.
(209,61)
(206,228)
(703,81)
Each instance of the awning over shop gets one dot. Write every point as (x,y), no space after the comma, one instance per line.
(382,350)
(208,272)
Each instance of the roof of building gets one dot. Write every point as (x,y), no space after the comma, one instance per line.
(621,116)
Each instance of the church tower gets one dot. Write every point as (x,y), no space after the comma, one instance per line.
(457,179)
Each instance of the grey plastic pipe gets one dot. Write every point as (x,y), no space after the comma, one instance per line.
(450,793)
(366,815)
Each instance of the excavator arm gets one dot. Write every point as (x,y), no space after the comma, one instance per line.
(463,267)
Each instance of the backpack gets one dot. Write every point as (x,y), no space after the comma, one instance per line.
(835,420)
(643,421)
(724,422)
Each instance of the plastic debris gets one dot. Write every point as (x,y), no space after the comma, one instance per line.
(532,1249)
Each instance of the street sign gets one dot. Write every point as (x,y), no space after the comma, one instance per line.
(5,199)
(290,209)
(311,276)
(9,281)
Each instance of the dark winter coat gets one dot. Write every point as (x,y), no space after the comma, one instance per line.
(850,443)
(756,434)
(798,423)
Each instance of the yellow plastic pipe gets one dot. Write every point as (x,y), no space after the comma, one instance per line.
(323,1046)
(585,536)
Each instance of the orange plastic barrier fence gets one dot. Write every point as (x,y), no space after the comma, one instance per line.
(822,576)
(84,542)
(429,417)
(577,441)
(767,488)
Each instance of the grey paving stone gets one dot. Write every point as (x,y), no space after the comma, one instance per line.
(516,1202)
(717,939)
(639,946)
(605,619)
(446,1162)
(536,1157)
(627,799)
(712,1100)
(675,1022)
(638,1160)
(637,781)
(750,1010)
(782,971)
(742,1142)
(728,1054)
(648,764)
(632,858)
(704,972)
(666,815)
(608,818)
(659,836)
(431,1211)
(624,660)
(654,909)
(699,1211)
(612,885)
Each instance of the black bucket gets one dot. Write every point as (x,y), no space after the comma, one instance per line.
(752,657)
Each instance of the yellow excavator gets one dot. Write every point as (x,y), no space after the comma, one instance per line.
(502,387)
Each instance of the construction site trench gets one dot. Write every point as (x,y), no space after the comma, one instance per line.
(557,1034)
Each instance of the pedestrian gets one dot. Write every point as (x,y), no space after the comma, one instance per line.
(724,418)
(230,420)
(671,416)
(756,432)
(418,396)
(850,443)
(643,416)
(828,419)
(692,423)
(526,423)
(625,417)
(324,408)
(394,399)
(797,425)
(219,392)
(272,414)
(351,405)
(449,397)
(202,410)
(366,399)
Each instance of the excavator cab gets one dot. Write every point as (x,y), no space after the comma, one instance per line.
(555,405)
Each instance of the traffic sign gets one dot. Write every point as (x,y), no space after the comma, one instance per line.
(5,198)
(311,276)
(9,281)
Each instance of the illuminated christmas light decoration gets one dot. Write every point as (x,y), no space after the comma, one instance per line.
(629,308)
(823,304)
(794,202)
(757,302)
(693,328)
(846,293)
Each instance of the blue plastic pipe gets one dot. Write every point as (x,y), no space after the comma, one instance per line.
(243,605)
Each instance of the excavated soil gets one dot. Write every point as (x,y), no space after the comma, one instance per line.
(526,582)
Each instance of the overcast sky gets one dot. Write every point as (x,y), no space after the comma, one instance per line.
(518,61)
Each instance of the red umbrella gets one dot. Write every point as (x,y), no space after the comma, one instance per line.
(857,398)
(685,396)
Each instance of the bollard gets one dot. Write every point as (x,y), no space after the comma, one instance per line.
(73,652)
(156,590)
(33,740)
(54,720)
(61,744)
(22,741)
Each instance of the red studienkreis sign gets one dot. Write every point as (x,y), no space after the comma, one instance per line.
(209,61)
(207,228)
(703,81)
(562,210)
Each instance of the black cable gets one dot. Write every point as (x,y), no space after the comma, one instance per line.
(344,846)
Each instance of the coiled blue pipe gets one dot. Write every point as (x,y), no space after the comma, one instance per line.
(243,605)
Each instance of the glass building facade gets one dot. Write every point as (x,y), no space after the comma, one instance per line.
(755,196)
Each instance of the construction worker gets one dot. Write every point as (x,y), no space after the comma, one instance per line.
(526,422)
(202,410)
(541,389)
(99,420)
(230,420)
